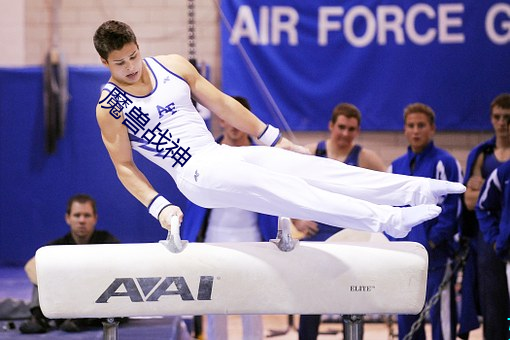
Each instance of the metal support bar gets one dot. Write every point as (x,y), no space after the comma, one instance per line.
(110,329)
(191,30)
(353,327)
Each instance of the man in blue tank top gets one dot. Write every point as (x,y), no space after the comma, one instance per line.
(424,159)
(344,127)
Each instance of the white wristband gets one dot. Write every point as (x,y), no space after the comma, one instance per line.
(157,205)
(270,136)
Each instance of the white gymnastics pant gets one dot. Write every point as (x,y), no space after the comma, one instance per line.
(278,182)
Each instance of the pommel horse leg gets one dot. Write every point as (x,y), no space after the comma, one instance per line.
(353,327)
(110,329)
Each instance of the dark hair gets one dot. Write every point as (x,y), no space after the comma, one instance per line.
(347,110)
(81,198)
(112,35)
(243,101)
(503,101)
(420,108)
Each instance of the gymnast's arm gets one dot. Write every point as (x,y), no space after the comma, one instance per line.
(116,140)
(224,106)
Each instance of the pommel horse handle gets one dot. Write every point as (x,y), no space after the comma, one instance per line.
(173,240)
(284,240)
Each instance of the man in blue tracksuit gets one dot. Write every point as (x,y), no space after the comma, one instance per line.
(484,278)
(424,159)
(493,212)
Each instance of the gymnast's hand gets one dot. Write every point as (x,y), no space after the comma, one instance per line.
(286,144)
(166,215)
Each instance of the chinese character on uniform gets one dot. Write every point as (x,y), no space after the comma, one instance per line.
(166,146)
(136,119)
(115,102)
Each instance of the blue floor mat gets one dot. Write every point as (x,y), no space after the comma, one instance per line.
(134,329)
(14,284)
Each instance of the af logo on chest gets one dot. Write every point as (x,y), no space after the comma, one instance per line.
(153,288)
(164,110)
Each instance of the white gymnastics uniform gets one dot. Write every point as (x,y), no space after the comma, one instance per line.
(165,127)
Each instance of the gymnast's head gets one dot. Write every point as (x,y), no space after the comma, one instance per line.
(116,44)
(112,36)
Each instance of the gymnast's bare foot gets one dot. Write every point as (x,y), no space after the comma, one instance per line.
(412,216)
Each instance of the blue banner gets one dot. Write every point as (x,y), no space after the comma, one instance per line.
(295,60)
(35,185)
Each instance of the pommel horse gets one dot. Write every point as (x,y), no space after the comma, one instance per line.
(352,277)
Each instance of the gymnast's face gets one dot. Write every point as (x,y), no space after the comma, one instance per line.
(82,221)
(125,64)
(419,131)
(344,131)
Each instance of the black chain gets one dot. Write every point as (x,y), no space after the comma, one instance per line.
(459,263)
(191,30)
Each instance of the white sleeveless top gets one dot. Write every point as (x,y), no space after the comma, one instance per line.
(163,126)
